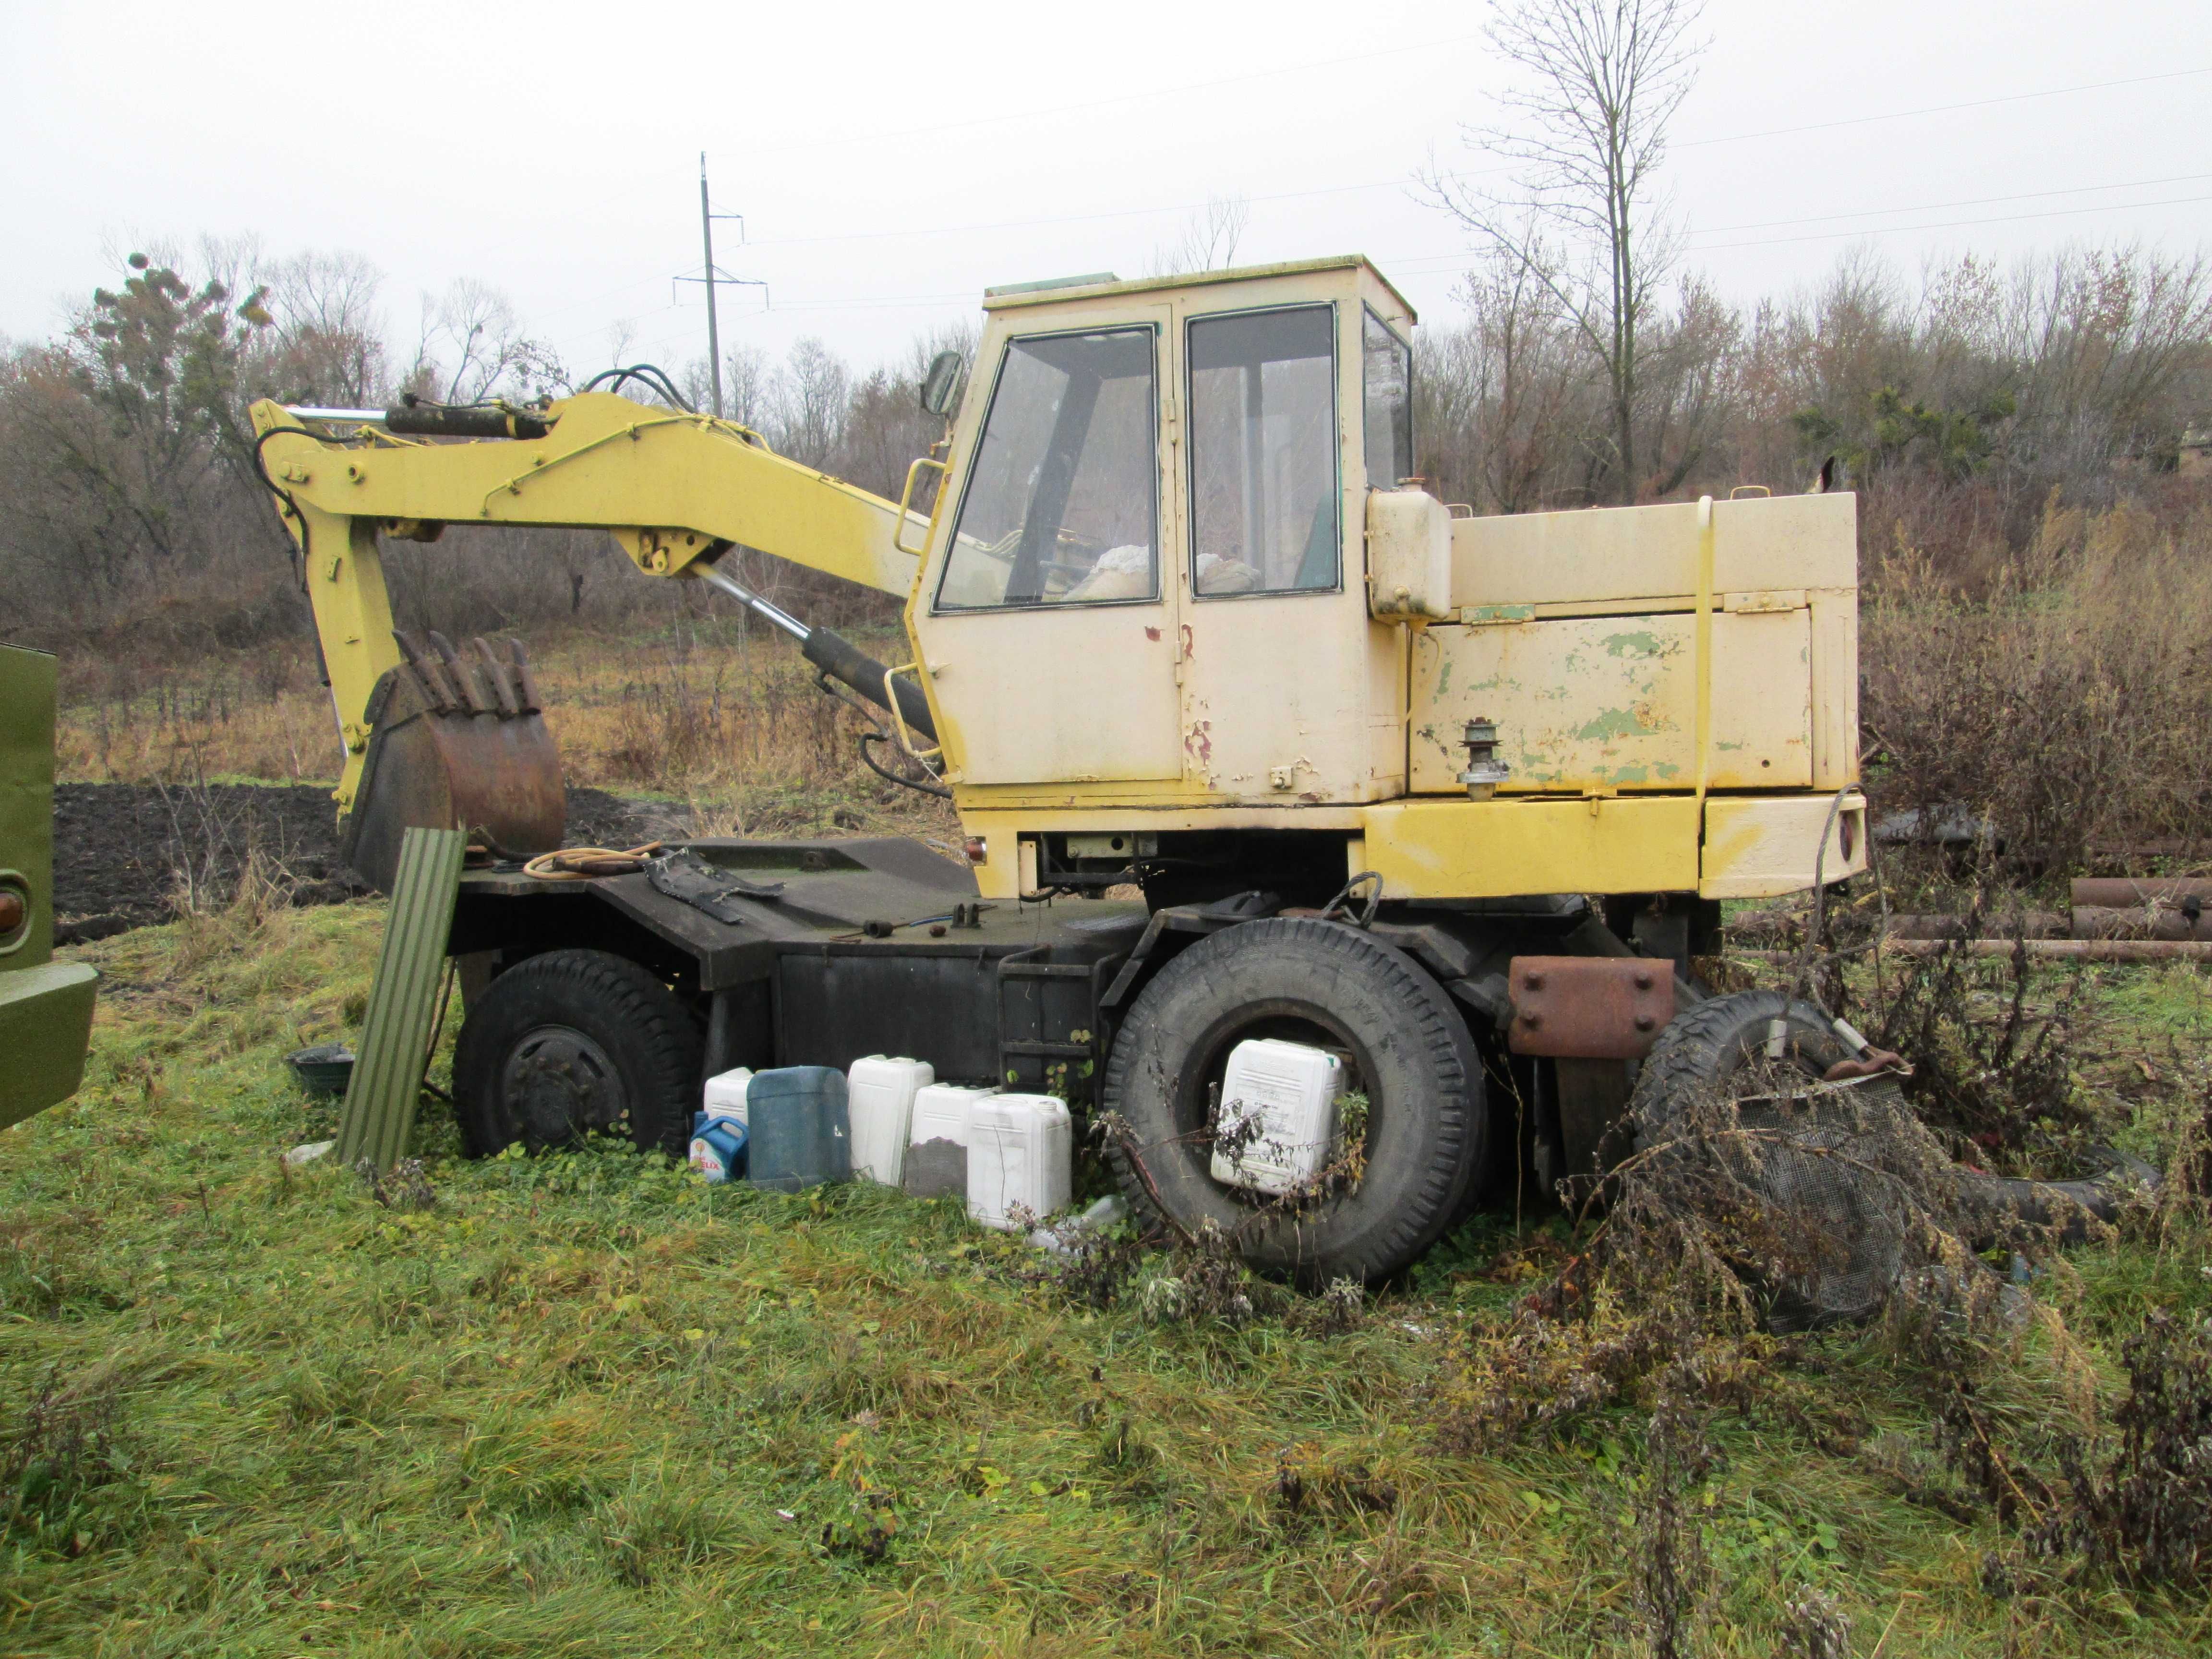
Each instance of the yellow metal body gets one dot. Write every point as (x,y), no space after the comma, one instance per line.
(1675,687)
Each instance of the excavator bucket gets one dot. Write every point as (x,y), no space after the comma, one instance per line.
(456,741)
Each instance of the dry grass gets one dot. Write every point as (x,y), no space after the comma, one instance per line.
(2066,697)
(722,718)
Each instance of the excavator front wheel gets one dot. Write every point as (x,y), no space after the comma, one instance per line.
(1422,1133)
(571,1042)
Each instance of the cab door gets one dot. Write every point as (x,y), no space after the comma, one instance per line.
(1290,695)
(1048,615)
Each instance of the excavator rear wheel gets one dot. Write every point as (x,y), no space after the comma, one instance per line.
(1335,987)
(573,1042)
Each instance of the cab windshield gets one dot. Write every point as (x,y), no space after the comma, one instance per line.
(1063,505)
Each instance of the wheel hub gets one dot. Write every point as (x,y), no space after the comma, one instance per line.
(558,1083)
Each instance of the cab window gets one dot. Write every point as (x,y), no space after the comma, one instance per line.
(1263,452)
(1062,505)
(1387,386)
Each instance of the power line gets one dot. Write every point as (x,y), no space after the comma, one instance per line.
(1339,190)
(1977,201)
(1953,224)
(1056,110)
(1067,218)
(981,226)
(1428,264)
(1942,109)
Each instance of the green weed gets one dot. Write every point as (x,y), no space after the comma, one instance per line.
(582,1402)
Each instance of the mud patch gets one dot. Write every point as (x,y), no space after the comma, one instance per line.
(127,855)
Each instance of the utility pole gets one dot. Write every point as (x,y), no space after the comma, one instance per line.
(714,330)
(711,276)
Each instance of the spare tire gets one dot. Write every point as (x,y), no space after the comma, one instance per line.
(1331,986)
(1707,1045)
(1842,1173)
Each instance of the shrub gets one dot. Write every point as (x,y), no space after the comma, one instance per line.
(2065,699)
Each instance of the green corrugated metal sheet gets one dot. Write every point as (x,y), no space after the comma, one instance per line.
(387,1076)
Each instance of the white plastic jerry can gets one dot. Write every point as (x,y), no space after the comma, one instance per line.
(724,1095)
(719,1128)
(1020,1148)
(879,1095)
(1278,1115)
(937,1141)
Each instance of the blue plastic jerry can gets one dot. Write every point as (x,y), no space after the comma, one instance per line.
(800,1138)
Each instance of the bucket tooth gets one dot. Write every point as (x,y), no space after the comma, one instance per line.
(495,671)
(526,681)
(430,668)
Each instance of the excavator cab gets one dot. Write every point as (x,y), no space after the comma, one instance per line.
(1181,583)
(1155,517)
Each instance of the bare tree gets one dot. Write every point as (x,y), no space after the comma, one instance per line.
(1691,360)
(1509,405)
(328,342)
(746,373)
(2111,340)
(810,400)
(1584,215)
(470,345)
(1209,239)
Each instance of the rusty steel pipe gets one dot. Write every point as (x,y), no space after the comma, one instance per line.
(2157,922)
(2056,950)
(2128,892)
(2033,924)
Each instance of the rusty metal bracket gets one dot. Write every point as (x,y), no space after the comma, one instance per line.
(1873,1063)
(1589,1007)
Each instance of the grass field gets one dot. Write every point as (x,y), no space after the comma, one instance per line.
(584,1404)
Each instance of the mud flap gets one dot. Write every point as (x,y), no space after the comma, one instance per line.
(457,741)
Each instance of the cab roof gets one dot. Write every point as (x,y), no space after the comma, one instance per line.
(1104,284)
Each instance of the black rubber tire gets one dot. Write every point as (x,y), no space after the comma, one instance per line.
(653,1044)
(1706,1045)
(1427,1127)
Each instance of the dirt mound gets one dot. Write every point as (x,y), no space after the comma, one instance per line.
(126,855)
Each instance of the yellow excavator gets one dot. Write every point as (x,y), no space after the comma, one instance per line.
(1455,799)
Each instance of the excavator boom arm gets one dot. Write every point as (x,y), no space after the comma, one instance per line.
(673,488)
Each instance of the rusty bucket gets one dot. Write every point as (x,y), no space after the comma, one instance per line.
(457,741)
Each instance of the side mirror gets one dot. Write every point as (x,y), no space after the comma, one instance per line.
(939,384)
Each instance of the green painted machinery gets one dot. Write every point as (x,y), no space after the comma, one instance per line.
(46,1007)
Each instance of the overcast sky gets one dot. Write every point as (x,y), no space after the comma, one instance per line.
(890,161)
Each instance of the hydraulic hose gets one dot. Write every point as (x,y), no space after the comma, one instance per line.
(2065,1207)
